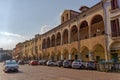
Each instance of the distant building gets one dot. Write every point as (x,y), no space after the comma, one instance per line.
(5,54)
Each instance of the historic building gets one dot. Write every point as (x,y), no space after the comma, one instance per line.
(81,35)
(31,49)
(5,54)
(112,23)
(90,34)
(17,51)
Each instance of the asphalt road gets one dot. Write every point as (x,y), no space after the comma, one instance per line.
(27,72)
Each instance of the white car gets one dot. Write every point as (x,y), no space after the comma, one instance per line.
(10,65)
(51,63)
(78,64)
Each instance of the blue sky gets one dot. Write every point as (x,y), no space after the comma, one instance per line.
(20,20)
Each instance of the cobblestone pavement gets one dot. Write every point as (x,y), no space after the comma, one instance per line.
(55,73)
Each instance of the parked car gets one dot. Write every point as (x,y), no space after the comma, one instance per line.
(78,64)
(27,62)
(21,62)
(91,65)
(67,63)
(44,62)
(51,63)
(33,62)
(60,63)
(10,65)
(40,62)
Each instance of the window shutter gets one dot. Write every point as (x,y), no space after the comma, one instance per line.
(114,4)
(118,27)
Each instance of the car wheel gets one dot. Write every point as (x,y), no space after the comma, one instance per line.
(5,71)
(17,70)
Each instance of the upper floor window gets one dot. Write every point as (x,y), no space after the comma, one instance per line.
(66,16)
(114,4)
(63,19)
(115,28)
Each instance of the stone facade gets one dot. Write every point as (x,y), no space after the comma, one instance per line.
(112,23)
(81,35)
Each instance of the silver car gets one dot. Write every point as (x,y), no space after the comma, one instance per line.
(78,64)
(10,65)
(51,63)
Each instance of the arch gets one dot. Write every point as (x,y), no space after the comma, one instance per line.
(84,30)
(96,19)
(48,42)
(115,45)
(85,54)
(58,39)
(74,33)
(98,52)
(44,44)
(115,51)
(65,54)
(53,41)
(74,52)
(97,26)
(65,36)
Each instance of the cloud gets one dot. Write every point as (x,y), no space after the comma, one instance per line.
(45,28)
(60,14)
(9,40)
(11,34)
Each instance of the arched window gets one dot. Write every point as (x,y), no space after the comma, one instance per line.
(84,30)
(44,44)
(53,41)
(58,39)
(48,42)
(74,33)
(97,26)
(65,36)
(96,19)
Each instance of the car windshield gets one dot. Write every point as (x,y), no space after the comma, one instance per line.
(10,62)
(77,61)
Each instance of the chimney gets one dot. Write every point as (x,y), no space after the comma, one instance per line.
(83,8)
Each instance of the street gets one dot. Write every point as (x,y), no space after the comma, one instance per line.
(39,72)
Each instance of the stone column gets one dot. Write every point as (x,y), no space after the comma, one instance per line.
(69,56)
(90,56)
(107,55)
(61,56)
(69,36)
(79,55)
(61,38)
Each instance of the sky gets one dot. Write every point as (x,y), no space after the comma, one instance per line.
(20,20)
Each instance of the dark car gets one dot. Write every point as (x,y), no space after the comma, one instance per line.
(21,62)
(91,65)
(44,62)
(67,63)
(60,63)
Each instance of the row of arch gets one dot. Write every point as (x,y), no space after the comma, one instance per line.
(84,31)
(98,53)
